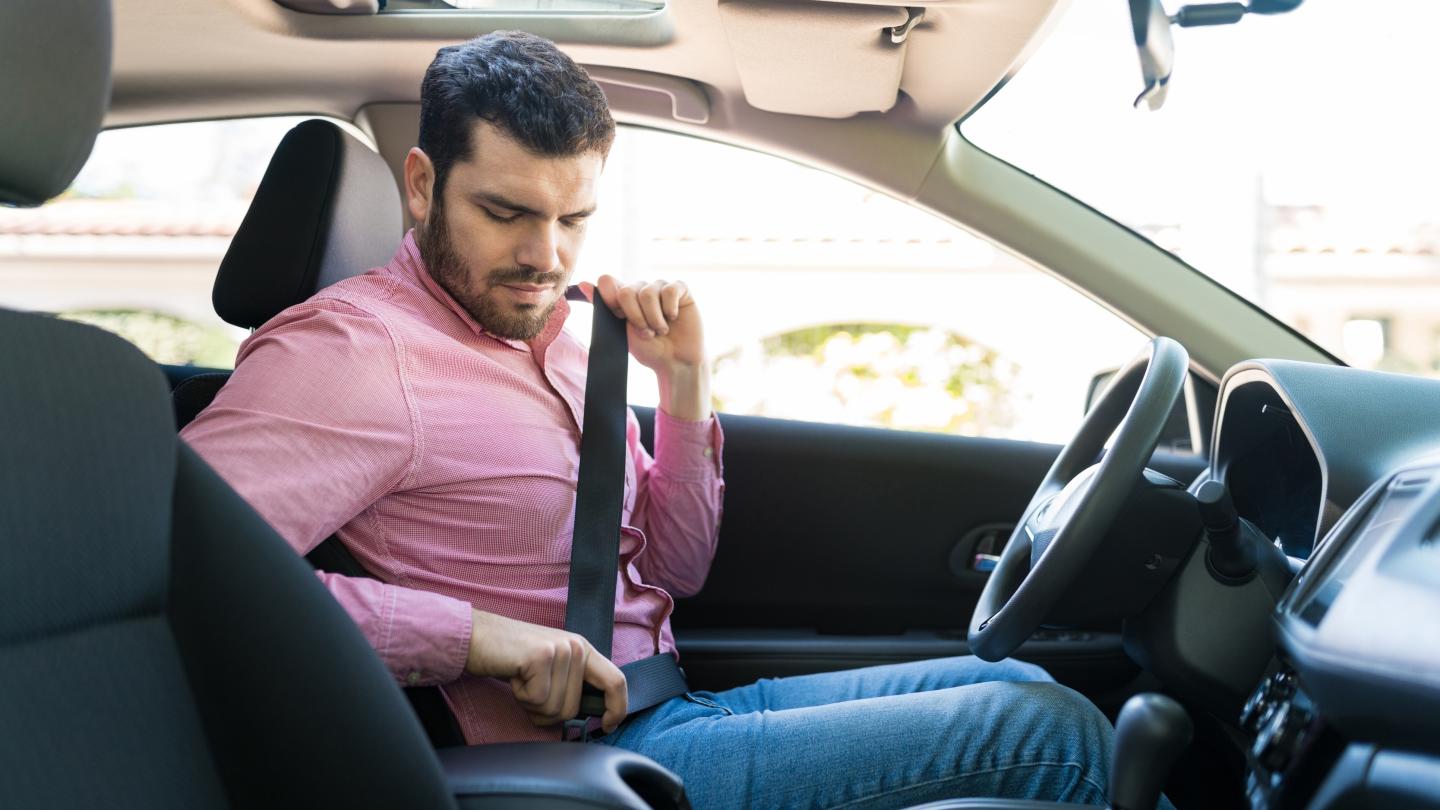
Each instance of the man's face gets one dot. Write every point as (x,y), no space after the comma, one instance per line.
(504,238)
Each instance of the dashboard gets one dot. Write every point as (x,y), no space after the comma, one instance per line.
(1273,471)
(1340,468)
(1299,443)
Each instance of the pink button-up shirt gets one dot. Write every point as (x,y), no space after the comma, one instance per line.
(446,458)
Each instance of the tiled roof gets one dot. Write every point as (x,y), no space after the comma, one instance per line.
(1305,230)
(130,218)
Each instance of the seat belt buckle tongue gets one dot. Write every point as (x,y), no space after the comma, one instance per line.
(592,705)
(577,730)
(592,702)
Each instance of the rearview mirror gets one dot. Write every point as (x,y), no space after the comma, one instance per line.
(1157,51)
(1151,26)
(1190,425)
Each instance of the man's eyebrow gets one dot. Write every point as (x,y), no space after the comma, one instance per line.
(497,200)
(502,202)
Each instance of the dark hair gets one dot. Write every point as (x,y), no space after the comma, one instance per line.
(522,84)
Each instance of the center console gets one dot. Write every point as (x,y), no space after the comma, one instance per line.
(1291,751)
(1351,717)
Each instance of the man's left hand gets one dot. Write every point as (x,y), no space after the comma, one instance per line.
(667,337)
(664,322)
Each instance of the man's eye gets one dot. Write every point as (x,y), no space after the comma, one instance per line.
(496,217)
(573,224)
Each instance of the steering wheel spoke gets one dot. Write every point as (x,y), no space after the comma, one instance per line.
(1078,500)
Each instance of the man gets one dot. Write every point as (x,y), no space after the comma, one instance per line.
(429,412)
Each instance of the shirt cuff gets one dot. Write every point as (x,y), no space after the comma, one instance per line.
(688,450)
(427,637)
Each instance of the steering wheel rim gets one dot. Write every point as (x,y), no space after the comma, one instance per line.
(1026,584)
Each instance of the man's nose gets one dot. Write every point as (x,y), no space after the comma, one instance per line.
(540,249)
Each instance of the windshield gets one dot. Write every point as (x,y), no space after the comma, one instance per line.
(1295,160)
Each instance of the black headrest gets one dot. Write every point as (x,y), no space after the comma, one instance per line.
(327,209)
(55,60)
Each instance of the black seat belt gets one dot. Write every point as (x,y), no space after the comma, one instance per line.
(595,545)
(594,548)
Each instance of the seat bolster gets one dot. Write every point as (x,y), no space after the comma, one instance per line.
(299,710)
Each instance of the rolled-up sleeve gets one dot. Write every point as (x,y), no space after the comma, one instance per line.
(679,500)
(313,427)
(423,637)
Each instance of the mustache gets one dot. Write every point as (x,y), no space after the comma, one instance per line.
(521,275)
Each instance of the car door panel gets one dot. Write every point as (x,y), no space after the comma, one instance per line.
(843,546)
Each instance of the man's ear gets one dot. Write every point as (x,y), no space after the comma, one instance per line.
(419,184)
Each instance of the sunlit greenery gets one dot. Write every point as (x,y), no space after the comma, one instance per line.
(883,375)
(165,338)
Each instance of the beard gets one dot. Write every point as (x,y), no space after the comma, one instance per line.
(447,267)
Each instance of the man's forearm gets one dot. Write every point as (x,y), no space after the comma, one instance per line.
(685,391)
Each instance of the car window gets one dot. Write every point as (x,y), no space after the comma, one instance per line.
(1292,162)
(134,244)
(826,301)
(823,300)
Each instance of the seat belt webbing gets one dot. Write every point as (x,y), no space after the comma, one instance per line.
(599,492)
(600,484)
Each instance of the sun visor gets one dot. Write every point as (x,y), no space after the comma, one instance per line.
(820,58)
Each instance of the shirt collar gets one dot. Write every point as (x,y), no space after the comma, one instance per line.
(409,260)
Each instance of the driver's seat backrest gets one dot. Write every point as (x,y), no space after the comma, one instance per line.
(326,209)
(160,645)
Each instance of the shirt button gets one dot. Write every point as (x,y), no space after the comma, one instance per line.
(709,452)
(413,678)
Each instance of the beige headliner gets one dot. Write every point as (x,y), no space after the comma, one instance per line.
(194,59)
(191,59)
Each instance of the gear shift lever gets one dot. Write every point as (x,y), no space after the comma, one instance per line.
(1149,736)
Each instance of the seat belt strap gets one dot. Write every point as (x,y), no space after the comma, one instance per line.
(599,493)
(651,681)
(600,484)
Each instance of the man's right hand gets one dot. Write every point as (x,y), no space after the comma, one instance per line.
(546,667)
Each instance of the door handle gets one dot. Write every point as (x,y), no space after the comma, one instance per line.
(978,551)
(984,563)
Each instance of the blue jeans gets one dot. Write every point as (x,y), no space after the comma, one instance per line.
(885,736)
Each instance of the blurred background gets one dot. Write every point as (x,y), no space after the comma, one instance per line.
(1293,162)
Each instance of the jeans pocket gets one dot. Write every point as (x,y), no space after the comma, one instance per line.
(701,700)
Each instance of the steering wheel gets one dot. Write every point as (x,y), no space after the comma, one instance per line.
(1072,510)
